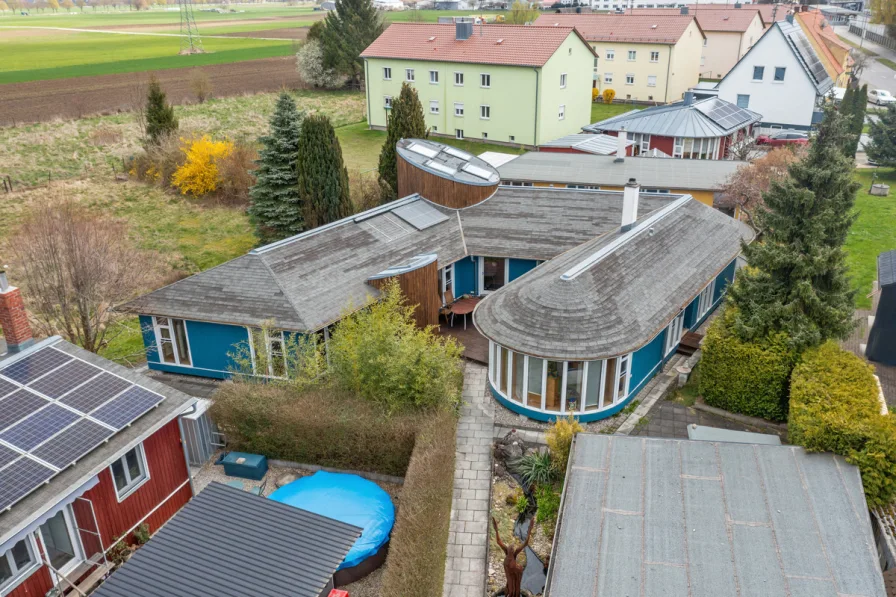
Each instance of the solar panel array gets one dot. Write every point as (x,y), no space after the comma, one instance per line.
(420,215)
(726,115)
(799,42)
(54,410)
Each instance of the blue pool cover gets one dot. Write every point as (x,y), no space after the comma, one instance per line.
(347,498)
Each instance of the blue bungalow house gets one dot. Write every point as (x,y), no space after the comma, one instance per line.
(665,261)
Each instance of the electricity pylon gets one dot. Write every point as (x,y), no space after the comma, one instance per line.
(190,42)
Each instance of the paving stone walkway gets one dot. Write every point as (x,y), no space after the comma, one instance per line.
(465,573)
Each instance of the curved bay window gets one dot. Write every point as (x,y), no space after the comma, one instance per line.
(559,387)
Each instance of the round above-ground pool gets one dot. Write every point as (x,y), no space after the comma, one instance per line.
(353,500)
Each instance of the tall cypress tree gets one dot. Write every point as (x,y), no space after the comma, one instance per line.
(323,179)
(857,120)
(405,122)
(882,148)
(798,279)
(276,208)
(160,119)
(349,29)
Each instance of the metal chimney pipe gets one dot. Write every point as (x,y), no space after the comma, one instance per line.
(4,282)
(621,141)
(630,204)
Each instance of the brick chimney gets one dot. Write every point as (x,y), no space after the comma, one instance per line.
(13,319)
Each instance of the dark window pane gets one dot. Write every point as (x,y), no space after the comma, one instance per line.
(121,481)
(180,336)
(20,554)
(5,570)
(133,460)
(492,273)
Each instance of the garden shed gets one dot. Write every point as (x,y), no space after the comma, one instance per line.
(882,338)
(230,542)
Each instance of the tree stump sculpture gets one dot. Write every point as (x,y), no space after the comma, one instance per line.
(512,569)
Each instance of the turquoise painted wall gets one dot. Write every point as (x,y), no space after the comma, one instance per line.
(464,276)
(724,279)
(646,362)
(210,344)
(518,267)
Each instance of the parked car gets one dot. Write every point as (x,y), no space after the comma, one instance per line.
(881,97)
(780,138)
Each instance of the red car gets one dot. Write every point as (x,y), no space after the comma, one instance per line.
(783,138)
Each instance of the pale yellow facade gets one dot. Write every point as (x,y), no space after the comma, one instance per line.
(702,196)
(656,72)
(723,49)
(520,105)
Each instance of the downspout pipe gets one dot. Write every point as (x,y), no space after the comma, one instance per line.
(367,89)
(535,131)
(668,69)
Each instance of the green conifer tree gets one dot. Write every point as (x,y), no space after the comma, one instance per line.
(160,119)
(349,29)
(276,209)
(857,120)
(405,122)
(798,279)
(323,179)
(882,148)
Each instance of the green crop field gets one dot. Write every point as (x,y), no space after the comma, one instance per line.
(101,18)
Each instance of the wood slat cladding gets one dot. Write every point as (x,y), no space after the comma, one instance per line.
(449,193)
(421,288)
(35,585)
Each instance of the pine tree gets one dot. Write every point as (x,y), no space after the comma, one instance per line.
(405,122)
(323,179)
(798,279)
(160,119)
(857,121)
(276,209)
(882,148)
(349,29)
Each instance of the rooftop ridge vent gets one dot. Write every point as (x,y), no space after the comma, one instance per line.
(639,228)
(500,41)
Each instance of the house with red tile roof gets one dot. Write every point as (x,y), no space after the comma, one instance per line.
(833,52)
(642,57)
(501,83)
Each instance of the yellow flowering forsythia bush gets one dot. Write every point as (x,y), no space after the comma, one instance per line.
(199,174)
(609,95)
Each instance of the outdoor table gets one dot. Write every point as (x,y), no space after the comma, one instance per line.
(464,306)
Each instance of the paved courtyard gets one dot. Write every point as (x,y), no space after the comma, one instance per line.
(670,419)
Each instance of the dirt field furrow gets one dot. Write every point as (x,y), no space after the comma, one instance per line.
(40,101)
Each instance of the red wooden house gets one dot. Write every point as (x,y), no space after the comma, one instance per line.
(89,452)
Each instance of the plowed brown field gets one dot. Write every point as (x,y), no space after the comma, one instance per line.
(39,101)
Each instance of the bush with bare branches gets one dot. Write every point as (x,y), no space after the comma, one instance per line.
(77,265)
(236,172)
(201,85)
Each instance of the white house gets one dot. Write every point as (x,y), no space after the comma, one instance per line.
(781,77)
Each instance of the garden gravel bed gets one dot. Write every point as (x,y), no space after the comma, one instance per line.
(507,418)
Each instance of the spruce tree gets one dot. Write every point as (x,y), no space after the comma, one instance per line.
(276,209)
(405,122)
(160,120)
(323,179)
(882,148)
(857,120)
(798,279)
(349,29)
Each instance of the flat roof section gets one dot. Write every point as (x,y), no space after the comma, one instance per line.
(230,542)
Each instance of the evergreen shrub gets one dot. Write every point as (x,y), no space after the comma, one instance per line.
(749,378)
(834,407)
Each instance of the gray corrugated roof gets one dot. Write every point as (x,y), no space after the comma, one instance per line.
(621,302)
(588,142)
(886,268)
(309,281)
(229,543)
(572,168)
(60,486)
(711,117)
(656,517)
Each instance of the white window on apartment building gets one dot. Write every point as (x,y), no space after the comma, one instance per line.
(459,79)
(563,81)
(561,112)
(387,102)
(611,54)
(434,77)
(458,133)
(654,56)
(485,80)
(651,80)
(630,79)
(458,109)
(608,77)
(485,112)
(434,106)
(409,75)
(632,55)
(387,73)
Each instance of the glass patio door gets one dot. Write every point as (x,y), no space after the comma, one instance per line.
(60,539)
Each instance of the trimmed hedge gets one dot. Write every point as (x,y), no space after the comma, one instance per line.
(326,427)
(418,548)
(745,377)
(834,407)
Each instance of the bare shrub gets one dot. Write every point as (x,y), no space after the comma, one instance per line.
(236,174)
(158,162)
(76,266)
(105,135)
(366,191)
(201,85)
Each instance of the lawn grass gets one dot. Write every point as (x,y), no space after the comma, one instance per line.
(887,62)
(432,16)
(873,232)
(601,111)
(155,16)
(862,49)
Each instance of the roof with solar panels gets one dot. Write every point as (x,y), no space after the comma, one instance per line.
(65,415)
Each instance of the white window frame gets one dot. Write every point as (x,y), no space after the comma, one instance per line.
(458,109)
(459,134)
(630,78)
(627,359)
(611,54)
(737,101)
(678,147)
(132,484)
(458,78)
(753,76)
(387,73)
(674,332)
(632,55)
(74,537)
(485,80)
(447,280)
(409,75)
(704,301)
(562,80)
(433,77)
(775,74)
(157,329)
(387,102)
(651,80)
(433,106)
(481,268)
(608,78)
(654,56)
(19,575)
(561,112)
(485,112)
